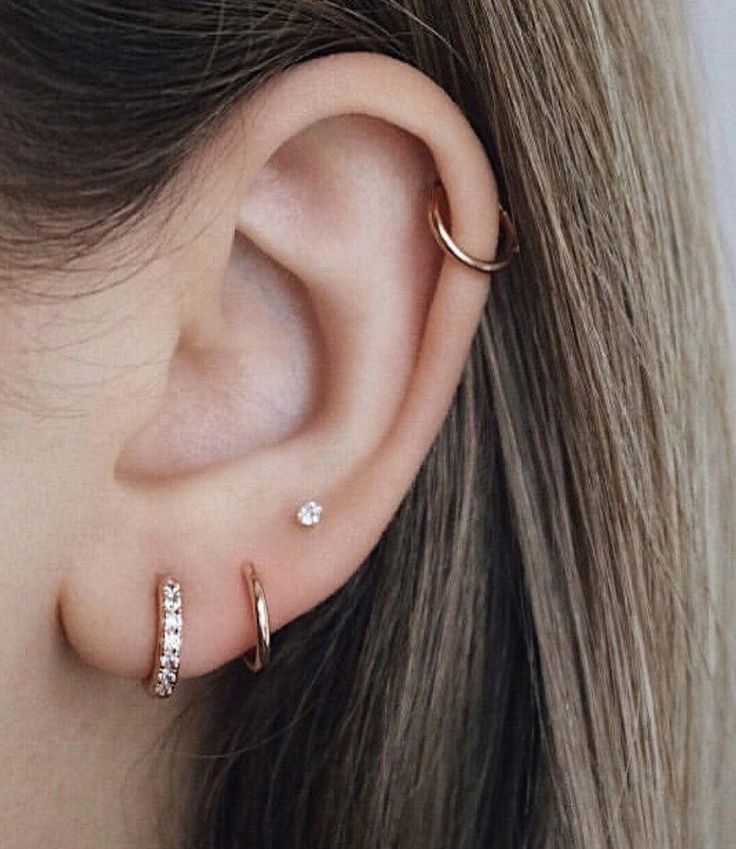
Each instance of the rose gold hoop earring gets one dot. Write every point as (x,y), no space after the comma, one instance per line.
(257,657)
(444,239)
(165,671)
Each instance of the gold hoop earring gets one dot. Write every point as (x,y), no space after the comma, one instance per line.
(444,239)
(257,657)
(165,671)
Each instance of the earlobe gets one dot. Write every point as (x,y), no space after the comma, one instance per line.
(329,174)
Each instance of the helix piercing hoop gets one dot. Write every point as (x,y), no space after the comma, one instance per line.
(444,239)
(165,672)
(257,657)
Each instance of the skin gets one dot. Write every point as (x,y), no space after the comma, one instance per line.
(296,332)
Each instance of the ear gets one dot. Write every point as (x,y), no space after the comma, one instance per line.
(315,344)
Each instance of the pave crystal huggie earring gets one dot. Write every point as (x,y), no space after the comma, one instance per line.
(444,239)
(257,657)
(165,671)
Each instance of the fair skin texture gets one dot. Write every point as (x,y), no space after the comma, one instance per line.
(298,333)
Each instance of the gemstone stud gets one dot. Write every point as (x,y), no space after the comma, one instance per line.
(309,514)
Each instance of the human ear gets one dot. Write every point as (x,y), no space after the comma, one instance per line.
(315,348)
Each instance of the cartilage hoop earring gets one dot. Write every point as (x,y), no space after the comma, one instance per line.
(442,235)
(257,657)
(167,658)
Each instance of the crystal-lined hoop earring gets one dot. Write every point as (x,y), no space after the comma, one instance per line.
(257,657)
(165,671)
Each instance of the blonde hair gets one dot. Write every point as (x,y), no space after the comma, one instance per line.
(549,670)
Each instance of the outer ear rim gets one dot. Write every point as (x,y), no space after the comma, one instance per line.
(270,118)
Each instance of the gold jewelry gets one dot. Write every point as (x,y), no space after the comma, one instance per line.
(445,240)
(257,657)
(165,672)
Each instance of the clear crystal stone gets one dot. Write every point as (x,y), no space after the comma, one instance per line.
(172,604)
(172,623)
(309,514)
(169,660)
(165,687)
(172,643)
(167,676)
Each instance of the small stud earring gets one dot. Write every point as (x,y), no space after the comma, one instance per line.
(309,514)
(165,672)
